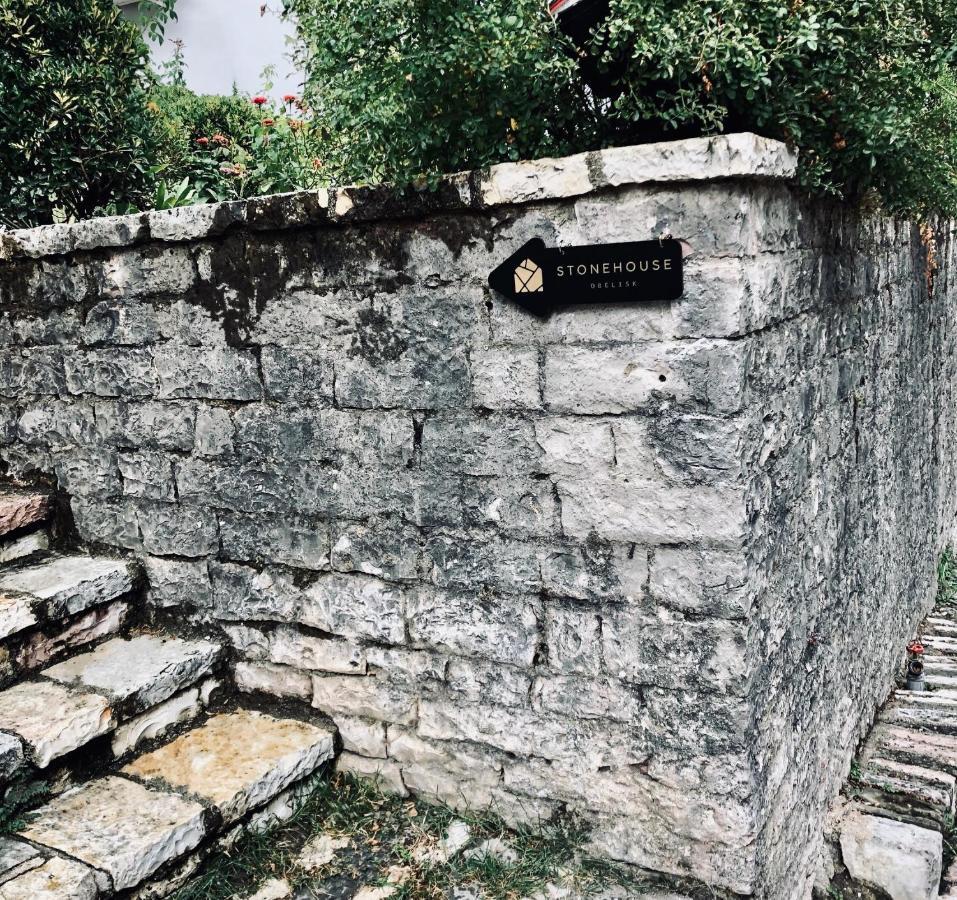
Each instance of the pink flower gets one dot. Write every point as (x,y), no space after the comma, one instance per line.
(289,98)
(260,100)
(202,141)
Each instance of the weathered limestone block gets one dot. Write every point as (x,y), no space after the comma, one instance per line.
(501,628)
(267,678)
(401,661)
(665,649)
(903,860)
(71,584)
(497,445)
(241,593)
(90,626)
(290,646)
(707,582)
(191,222)
(156,721)
(55,879)
(373,697)
(94,473)
(573,638)
(120,827)
(456,561)
(38,371)
(355,606)
(155,271)
(504,379)
(178,582)
(118,324)
(508,728)
(11,755)
(587,698)
(478,681)
(651,511)
(148,474)
(115,372)
(107,521)
(296,376)
(17,857)
(212,373)
(21,509)
(383,547)
(571,444)
(364,737)
(17,612)
(143,670)
(147,424)
(173,529)
(57,424)
(286,541)
(382,771)
(215,431)
(53,720)
(595,570)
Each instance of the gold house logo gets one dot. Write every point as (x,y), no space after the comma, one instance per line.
(528,277)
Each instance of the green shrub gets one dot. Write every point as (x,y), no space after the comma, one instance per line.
(75,130)
(864,88)
(221,148)
(402,88)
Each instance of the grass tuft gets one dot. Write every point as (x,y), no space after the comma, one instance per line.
(395,841)
(947,578)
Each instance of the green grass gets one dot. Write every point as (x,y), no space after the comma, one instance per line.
(947,577)
(390,838)
(20,798)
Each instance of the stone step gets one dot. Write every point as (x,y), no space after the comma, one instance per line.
(930,710)
(121,829)
(901,859)
(16,548)
(917,748)
(907,792)
(86,697)
(946,645)
(237,761)
(137,673)
(58,586)
(22,509)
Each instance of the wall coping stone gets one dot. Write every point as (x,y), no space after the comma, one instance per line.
(738,156)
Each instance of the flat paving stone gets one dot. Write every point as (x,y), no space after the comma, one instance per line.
(17,613)
(120,827)
(51,719)
(21,508)
(145,669)
(70,584)
(239,760)
(17,857)
(28,544)
(56,879)
(11,755)
(918,748)
(903,860)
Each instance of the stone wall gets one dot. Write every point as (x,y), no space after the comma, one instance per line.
(651,563)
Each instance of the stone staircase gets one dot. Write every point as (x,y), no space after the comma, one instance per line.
(146,762)
(895,821)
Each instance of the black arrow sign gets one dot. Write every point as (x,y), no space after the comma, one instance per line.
(541,278)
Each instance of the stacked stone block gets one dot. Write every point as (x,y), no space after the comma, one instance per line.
(633,561)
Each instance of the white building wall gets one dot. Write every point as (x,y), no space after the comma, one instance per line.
(227,43)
